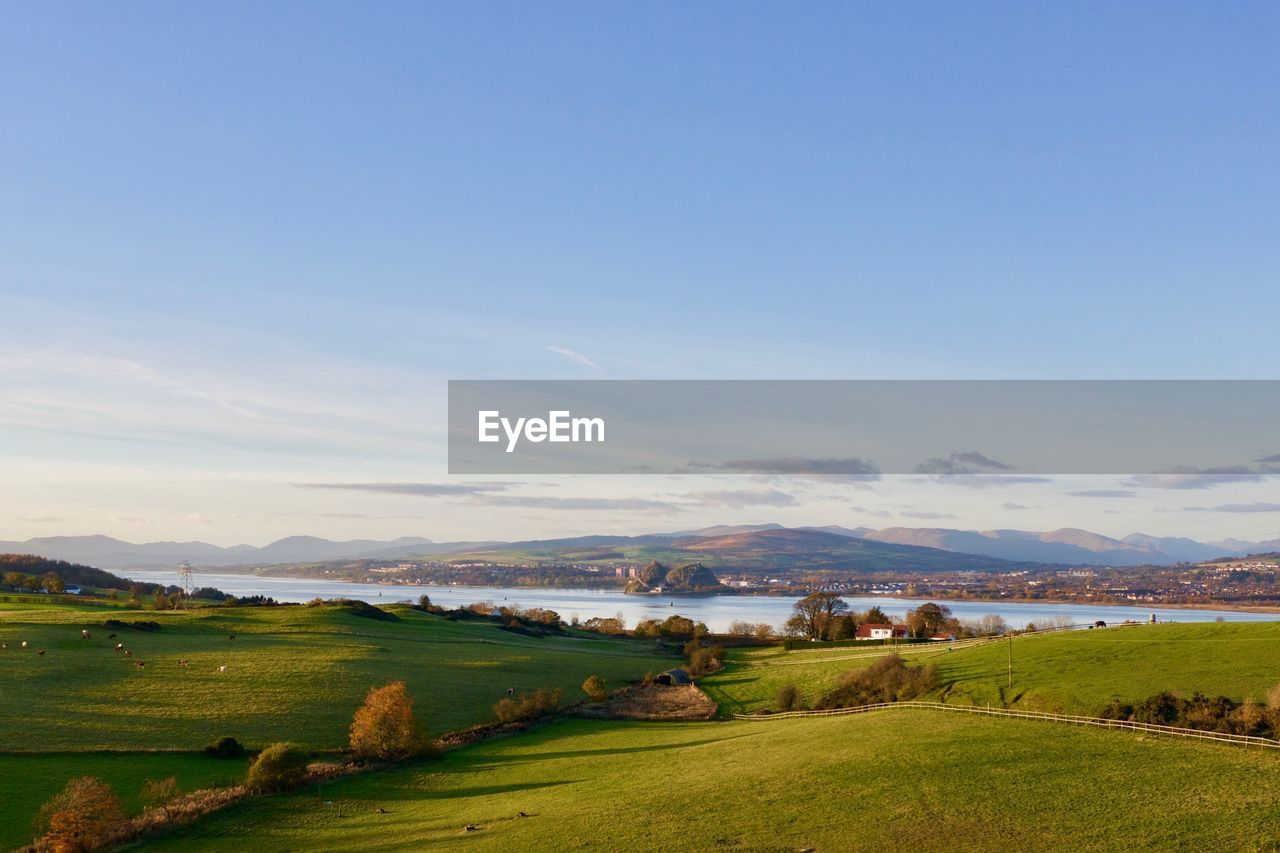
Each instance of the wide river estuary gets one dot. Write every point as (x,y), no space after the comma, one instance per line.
(715,610)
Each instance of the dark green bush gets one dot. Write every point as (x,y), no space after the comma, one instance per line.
(227,747)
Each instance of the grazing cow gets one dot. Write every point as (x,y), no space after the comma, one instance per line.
(84,634)
(24,644)
(111,636)
(128,653)
(511,691)
(182,663)
(471,827)
(4,645)
(139,664)
(222,668)
(119,647)
(41,653)
(231,637)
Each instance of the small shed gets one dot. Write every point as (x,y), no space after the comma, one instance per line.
(673,677)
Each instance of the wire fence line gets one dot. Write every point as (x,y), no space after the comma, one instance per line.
(1070,719)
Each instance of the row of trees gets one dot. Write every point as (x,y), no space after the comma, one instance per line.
(22,582)
(827,616)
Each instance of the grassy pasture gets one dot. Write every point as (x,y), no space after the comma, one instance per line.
(1073,672)
(293,673)
(27,781)
(905,780)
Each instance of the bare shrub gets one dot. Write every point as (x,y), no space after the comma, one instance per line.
(788,698)
(527,706)
(888,679)
(161,794)
(595,688)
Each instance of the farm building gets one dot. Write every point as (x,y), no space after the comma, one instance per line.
(872,631)
(673,677)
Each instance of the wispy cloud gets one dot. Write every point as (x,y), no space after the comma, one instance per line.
(962,462)
(873,512)
(1103,493)
(576,357)
(1190,477)
(579,504)
(926,516)
(1257,506)
(984,481)
(739,498)
(425,490)
(847,468)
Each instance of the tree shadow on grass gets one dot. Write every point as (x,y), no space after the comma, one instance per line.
(722,682)
(406,793)
(513,758)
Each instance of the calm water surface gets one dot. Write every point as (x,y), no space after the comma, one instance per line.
(715,610)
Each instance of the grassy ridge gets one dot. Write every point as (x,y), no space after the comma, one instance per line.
(27,781)
(891,781)
(294,673)
(1072,672)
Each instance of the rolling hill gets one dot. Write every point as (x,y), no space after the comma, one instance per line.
(1068,545)
(773,550)
(109,553)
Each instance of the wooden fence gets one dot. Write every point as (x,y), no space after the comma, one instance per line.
(1069,719)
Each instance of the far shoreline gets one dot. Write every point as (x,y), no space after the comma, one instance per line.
(1233,607)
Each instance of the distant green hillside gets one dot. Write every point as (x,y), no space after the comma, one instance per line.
(776,551)
(1074,672)
(71,574)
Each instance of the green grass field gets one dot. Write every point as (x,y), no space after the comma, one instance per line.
(27,781)
(1073,672)
(905,780)
(293,673)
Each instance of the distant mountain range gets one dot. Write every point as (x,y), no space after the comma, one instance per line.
(107,553)
(768,544)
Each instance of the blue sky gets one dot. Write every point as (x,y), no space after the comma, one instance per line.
(243,246)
